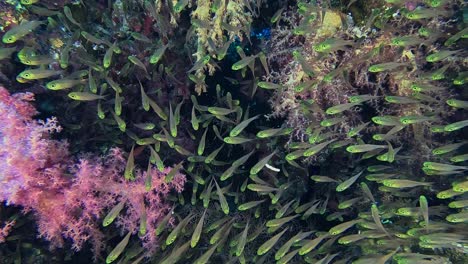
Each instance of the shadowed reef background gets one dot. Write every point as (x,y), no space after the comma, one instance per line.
(233,131)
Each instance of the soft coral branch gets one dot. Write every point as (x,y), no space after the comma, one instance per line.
(68,197)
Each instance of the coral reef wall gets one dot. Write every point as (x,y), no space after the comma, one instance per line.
(236,131)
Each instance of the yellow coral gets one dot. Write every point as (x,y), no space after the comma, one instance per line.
(331,24)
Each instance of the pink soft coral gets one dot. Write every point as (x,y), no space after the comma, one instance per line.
(68,198)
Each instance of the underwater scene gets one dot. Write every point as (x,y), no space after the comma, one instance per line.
(234,131)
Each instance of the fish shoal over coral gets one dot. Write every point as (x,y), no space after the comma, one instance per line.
(240,131)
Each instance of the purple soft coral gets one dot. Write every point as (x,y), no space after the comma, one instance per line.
(70,198)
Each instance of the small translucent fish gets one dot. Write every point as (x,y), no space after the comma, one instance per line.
(182,150)
(364,148)
(157,109)
(107,59)
(405,41)
(274,132)
(457,103)
(340,108)
(174,170)
(69,15)
(424,207)
(377,168)
(460,186)
(345,240)
(113,85)
(197,231)
(249,205)
(200,63)
(242,240)
(269,85)
(162,224)
(203,259)
(462,33)
(295,154)
(312,244)
(35,60)
(198,23)
(34,74)
(415,119)
(357,99)
(365,188)
(241,126)
(378,222)
(84,96)
(388,66)
(461,78)
(459,158)
(118,104)
(18,32)
(213,155)
(332,44)
(92,82)
(400,100)
(422,13)
(243,63)
(346,184)
(317,148)
(286,246)
(441,55)
(28,2)
(386,120)
(458,204)
(448,148)
(100,112)
(65,55)
(201,144)
(63,84)
(222,199)
(134,59)
(220,111)
(458,218)
(318,178)
(443,167)
(456,126)
(176,254)
(447,194)
(356,130)
(194,120)
(180,5)
(178,229)
(265,247)
(261,188)
(332,121)
(400,183)
(89,37)
(236,140)
(276,16)
(221,233)
(240,161)
(261,163)
(140,37)
(117,251)
(157,55)
(113,213)
(281,221)
(128,173)
(172,122)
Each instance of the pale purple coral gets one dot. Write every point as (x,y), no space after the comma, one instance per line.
(68,198)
